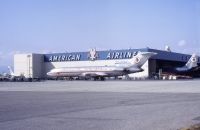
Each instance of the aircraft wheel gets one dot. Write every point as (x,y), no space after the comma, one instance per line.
(102,78)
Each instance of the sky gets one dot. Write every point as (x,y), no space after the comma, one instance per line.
(47,26)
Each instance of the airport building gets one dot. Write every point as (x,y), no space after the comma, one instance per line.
(33,65)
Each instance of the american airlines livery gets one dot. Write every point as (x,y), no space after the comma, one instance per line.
(132,65)
(191,68)
(191,64)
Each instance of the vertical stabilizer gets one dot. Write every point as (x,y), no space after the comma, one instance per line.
(10,70)
(192,61)
(141,57)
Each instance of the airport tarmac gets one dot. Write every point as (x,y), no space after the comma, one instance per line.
(97,105)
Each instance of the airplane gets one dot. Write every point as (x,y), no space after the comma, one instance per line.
(4,77)
(132,65)
(189,69)
(11,72)
(14,77)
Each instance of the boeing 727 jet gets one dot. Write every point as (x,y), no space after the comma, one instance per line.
(132,65)
(189,69)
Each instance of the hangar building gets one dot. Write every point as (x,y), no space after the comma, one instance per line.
(33,65)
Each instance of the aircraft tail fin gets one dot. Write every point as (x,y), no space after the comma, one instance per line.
(192,62)
(140,58)
(11,72)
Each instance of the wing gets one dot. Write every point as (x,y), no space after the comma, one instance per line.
(134,69)
(93,74)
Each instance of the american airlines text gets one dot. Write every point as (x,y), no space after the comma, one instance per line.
(79,57)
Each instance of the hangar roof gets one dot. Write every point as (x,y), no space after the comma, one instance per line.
(171,56)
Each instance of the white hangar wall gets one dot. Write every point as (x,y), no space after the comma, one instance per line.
(29,65)
(23,65)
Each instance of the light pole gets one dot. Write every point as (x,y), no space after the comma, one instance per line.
(29,62)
